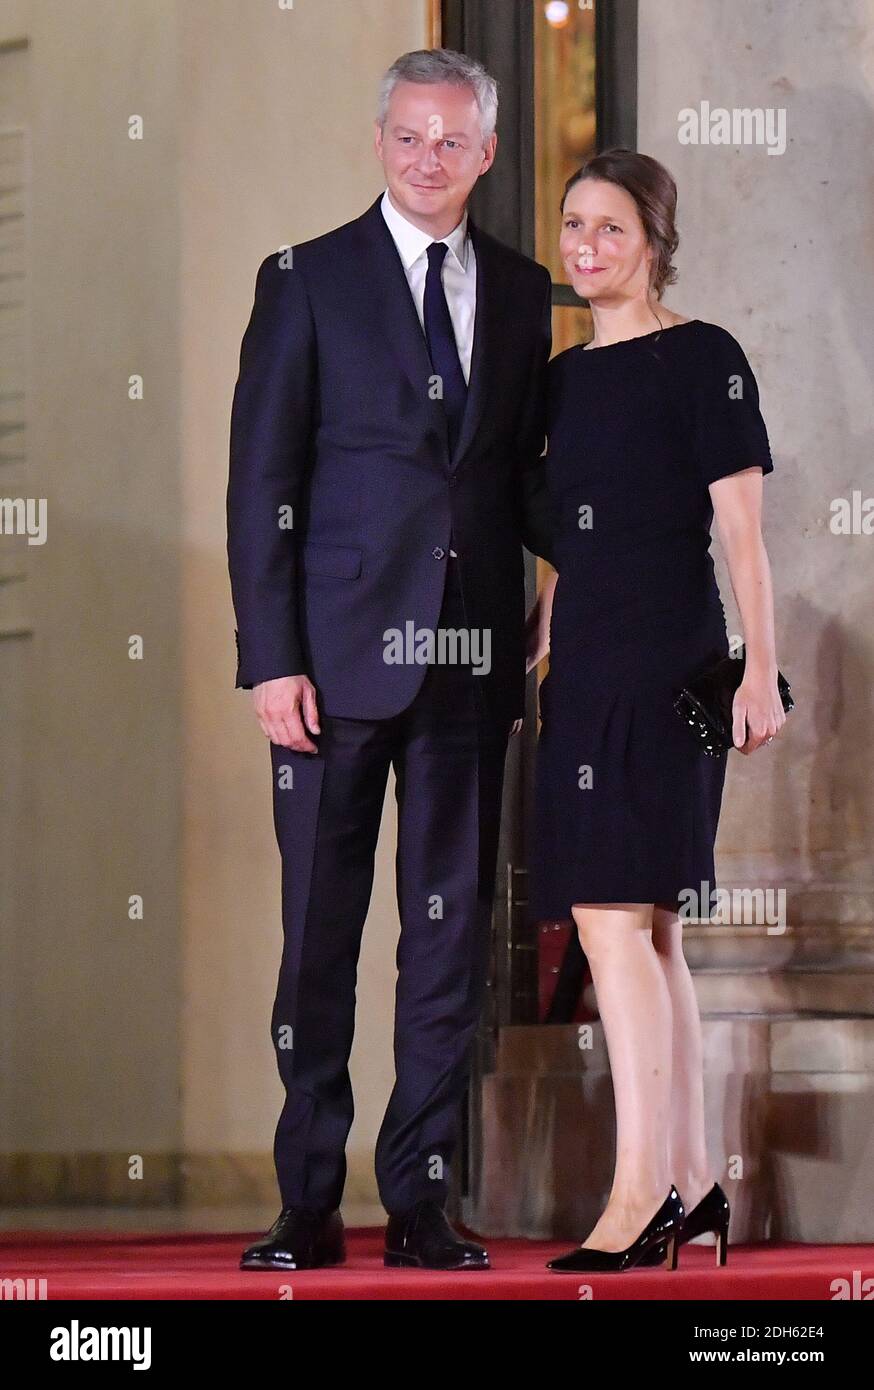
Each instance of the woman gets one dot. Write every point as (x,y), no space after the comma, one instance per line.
(654,426)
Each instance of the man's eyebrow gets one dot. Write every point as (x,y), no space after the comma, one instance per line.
(447,134)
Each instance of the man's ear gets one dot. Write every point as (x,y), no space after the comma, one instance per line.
(489,149)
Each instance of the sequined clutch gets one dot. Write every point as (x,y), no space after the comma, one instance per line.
(706,703)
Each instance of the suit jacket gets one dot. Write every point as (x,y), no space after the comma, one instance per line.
(342,493)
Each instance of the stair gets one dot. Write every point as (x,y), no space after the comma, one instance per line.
(789,1096)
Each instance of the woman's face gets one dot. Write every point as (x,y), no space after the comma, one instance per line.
(603,244)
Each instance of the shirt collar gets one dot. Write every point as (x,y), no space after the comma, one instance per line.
(412,242)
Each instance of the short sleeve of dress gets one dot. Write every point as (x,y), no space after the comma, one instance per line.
(729,433)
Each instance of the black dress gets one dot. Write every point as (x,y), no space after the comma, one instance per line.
(627,804)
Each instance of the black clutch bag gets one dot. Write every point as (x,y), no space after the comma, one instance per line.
(706,703)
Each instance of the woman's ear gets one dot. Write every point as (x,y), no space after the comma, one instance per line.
(652,263)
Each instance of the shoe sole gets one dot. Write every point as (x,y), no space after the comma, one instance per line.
(393,1261)
(266,1264)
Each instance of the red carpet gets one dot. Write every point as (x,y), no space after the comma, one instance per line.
(120,1266)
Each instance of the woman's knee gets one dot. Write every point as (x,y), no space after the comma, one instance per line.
(667,933)
(605,927)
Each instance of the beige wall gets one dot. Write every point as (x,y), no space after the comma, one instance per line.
(275,146)
(92,1004)
(152,777)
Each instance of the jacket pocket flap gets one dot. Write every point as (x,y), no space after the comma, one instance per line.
(339,561)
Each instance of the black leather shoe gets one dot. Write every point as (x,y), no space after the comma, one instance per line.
(711,1214)
(422,1238)
(299,1238)
(664,1229)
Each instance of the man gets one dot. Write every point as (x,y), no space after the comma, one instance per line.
(386,435)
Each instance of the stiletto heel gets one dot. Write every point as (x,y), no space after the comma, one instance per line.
(722,1242)
(673,1252)
(664,1229)
(711,1214)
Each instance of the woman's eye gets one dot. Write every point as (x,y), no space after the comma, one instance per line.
(611,227)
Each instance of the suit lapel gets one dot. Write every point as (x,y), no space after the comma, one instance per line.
(400,322)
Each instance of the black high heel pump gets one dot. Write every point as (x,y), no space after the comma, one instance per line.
(664,1229)
(711,1214)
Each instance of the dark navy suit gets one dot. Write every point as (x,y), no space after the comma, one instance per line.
(343,503)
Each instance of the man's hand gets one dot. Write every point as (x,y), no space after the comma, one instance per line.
(284,706)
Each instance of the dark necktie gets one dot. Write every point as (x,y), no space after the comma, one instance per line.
(442,347)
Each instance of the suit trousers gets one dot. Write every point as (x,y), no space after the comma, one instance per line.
(448,758)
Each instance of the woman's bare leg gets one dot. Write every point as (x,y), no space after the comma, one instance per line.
(635,1009)
(690,1167)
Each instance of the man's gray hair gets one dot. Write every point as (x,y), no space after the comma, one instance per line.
(433,65)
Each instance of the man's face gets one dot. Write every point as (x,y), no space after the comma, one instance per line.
(432,152)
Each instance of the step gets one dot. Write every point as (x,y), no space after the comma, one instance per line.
(738,1043)
(789,1108)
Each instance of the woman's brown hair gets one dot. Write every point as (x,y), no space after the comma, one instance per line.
(655,195)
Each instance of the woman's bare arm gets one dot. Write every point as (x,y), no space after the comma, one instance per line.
(737,506)
(537,623)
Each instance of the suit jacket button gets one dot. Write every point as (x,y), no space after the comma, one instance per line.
(438,552)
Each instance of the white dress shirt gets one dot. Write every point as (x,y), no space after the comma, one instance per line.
(459,273)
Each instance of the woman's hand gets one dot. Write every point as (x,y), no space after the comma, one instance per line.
(758,711)
(537,624)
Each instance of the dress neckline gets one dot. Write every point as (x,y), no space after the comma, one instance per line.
(639,337)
